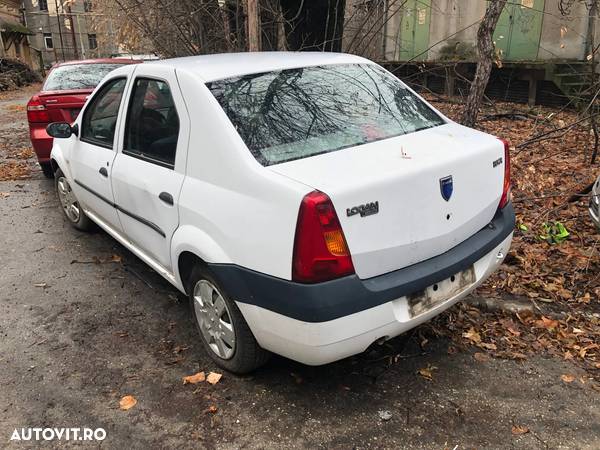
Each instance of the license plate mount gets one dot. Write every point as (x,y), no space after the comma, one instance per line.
(436,294)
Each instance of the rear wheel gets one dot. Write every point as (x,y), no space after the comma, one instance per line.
(69,203)
(222,328)
(47,170)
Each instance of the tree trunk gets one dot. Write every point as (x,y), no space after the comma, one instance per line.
(485,49)
(253,26)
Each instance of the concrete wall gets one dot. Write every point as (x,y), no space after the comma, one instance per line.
(562,37)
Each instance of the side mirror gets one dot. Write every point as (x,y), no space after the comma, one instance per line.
(61,130)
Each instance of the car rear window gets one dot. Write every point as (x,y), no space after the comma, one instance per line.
(77,76)
(297,113)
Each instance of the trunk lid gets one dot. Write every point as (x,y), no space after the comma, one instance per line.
(403,175)
(64,106)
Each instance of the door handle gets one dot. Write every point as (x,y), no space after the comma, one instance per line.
(103,171)
(166,197)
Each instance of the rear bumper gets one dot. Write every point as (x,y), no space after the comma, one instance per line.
(595,203)
(41,142)
(320,323)
(316,343)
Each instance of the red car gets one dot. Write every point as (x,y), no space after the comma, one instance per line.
(63,94)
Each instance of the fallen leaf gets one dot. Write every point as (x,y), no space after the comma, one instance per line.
(472,335)
(116,259)
(42,285)
(546,323)
(213,377)
(127,402)
(4,194)
(567,378)
(519,429)
(194,379)
(212,409)
(488,346)
(427,372)
(481,357)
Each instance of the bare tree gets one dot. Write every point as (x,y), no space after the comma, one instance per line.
(485,49)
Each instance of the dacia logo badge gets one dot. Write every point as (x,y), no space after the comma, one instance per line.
(368,209)
(446,187)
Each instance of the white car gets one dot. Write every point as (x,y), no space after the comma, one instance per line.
(309,204)
(595,203)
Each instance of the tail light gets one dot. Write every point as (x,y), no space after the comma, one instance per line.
(506,187)
(320,249)
(36,111)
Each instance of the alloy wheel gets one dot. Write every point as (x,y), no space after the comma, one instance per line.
(214,319)
(68,200)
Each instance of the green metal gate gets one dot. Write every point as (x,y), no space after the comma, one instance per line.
(519,28)
(413,38)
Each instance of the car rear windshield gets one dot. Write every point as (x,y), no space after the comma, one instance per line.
(297,113)
(77,76)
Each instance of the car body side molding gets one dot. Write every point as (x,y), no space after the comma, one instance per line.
(146,222)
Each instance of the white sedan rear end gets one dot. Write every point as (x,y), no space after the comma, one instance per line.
(309,204)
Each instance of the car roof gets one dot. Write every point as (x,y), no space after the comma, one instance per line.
(98,61)
(226,65)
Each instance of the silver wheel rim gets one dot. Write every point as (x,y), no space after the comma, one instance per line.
(214,319)
(68,201)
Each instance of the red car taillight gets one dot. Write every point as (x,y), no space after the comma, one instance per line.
(36,111)
(320,249)
(506,188)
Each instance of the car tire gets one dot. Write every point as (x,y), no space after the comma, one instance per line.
(69,204)
(223,330)
(47,170)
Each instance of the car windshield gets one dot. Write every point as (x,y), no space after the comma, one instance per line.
(297,113)
(77,76)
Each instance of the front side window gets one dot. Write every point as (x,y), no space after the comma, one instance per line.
(298,113)
(152,127)
(100,117)
(77,76)
(43,4)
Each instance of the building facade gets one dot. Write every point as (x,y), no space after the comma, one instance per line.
(528,30)
(64,30)
(13,32)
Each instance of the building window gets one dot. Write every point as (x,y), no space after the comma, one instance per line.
(92,42)
(88,6)
(43,5)
(48,41)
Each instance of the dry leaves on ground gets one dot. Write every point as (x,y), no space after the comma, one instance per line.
(213,377)
(127,402)
(195,379)
(427,372)
(519,429)
(11,170)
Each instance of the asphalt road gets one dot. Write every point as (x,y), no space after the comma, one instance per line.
(80,328)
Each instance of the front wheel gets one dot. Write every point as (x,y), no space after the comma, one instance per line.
(69,203)
(222,328)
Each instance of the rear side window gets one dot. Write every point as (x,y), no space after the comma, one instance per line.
(297,113)
(77,76)
(100,117)
(152,126)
